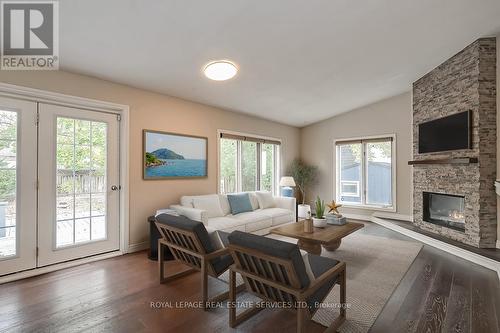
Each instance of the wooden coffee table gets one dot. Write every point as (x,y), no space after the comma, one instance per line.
(329,237)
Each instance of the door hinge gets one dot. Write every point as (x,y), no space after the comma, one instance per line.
(37,184)
(37,120)
(37,251)
(118,117)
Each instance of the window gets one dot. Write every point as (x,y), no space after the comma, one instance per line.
(366,172)
(349,188)
(248,164)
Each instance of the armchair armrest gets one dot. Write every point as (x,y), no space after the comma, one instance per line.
(217,253)
(320,281)
(192,213)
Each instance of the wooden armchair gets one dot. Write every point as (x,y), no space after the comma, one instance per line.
(190,244)
(275,271)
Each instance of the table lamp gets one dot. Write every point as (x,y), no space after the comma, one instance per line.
(286,184)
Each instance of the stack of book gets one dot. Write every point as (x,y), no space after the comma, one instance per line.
(335,219)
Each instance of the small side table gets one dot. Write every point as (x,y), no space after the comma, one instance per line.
(154,235)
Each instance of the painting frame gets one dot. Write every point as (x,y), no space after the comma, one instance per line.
(144,150)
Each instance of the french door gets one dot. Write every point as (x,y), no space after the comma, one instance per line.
(18,151)
(59,183)
(78,175)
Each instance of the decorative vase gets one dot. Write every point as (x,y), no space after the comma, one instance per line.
(303,211)
(308,226)
(287,192)
(319,223)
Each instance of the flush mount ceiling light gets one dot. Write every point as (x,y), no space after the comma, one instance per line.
(220,70)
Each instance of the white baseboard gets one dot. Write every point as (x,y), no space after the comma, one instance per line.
(360,217)
(454,250)
(138,247)
(394,216)
(56,267)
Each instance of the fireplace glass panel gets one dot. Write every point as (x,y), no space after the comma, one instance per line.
(445,209)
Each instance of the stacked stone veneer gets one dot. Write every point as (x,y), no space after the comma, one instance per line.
(467,81)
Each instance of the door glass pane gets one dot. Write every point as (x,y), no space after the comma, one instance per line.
(81,181)
(228,162)
(8,182)
(98,227)
(379,173)
(248,166)
(267,177)
(350,173)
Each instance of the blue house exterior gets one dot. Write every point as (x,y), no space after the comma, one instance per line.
(379,175)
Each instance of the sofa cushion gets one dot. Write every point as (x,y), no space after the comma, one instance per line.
(224,204)
(258,225)
(224,223)
(278,215)
(253,216)
(240,203)
(265,199)
(210,204)
(255,220)
(275,248)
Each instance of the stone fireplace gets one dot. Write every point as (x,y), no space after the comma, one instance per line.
(453,191)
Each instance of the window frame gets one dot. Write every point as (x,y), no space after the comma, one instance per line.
(363,190)
(258,181)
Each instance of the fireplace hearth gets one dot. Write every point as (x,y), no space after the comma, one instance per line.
(447,210)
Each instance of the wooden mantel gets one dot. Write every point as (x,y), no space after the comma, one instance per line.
(458,160)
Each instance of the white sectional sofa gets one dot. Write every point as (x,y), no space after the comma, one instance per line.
(215,213)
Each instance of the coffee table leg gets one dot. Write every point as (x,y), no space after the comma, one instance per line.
(332,246)
(310,247)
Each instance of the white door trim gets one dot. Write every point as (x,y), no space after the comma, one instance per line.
(37,95)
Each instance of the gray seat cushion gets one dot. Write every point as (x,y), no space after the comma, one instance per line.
(273,247)
(319,265)
(219,264)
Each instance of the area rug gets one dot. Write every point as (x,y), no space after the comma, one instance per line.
(375,266)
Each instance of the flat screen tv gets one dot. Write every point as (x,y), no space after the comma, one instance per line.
(447,133)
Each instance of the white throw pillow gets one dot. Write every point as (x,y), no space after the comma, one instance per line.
(224,204)
(265,199)
(253,200)
(210,204)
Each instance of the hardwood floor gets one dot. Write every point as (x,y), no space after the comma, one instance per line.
(439,293)
(489,253)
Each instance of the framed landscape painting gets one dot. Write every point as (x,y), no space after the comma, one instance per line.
(171,155)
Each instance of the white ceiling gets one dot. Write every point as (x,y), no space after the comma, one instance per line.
(300,61)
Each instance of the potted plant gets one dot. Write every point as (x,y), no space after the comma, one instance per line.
(304,175)
(319,221)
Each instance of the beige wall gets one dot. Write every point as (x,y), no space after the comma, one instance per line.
(159,112)
(390,116)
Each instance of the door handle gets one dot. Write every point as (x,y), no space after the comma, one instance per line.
(115,188)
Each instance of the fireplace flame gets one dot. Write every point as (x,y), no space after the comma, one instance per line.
(455,214)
